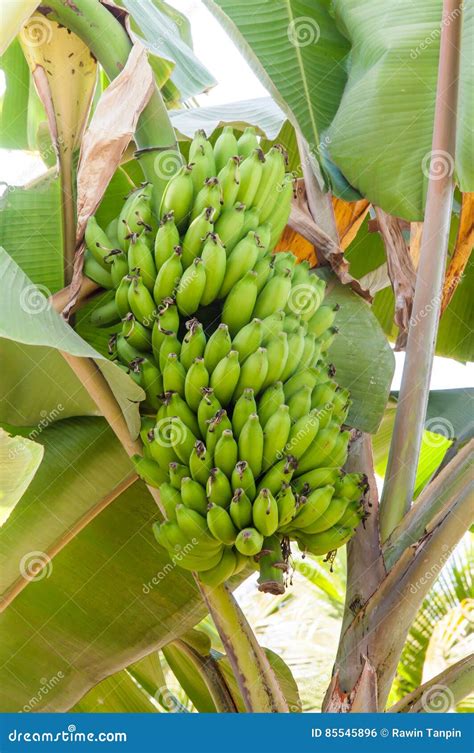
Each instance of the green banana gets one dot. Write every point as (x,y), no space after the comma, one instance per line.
(166,239)
(168,316)
(105,315)
(322,320)
(174,375)
(178,197)
(125,352)
(149,471)
(176,406)
(272,326)
(225,452)
(194,343)
(314,507)
(152,383)
(225,377)
(311,352)
(244,406)
(168,276)
(197,377)
(140,261)
(216,426)
(195,236)
(97,243)
(240,509)
(327,339)
(316,478)
(229,226)
(275,436)
(141,303)
(200,463)
(328,518)
(264,232)
(169,344)
(214,262)
(351,486)
(225,147)
(218,488)
(249,542)
(135,333)
(278,474)
(183,439)
(207,409)
(277,356)
(272,567)
(251,221)
(193,525)
(252,372)
(286,503)
(243,478)
(220,524)
(121,296)
(117,263)
(264,269)
(250,174)
(319,452)
(265,513)
(193,495)
(327,541)
(352,516)
(95,272)
(281,211)
(204,167)
(247,142)
(240,303)
(273,173)
(221,572)
(160,446)
(217,347)
(229,178)
(240,261)
(323,394)
(248,339)
(200,144)
(300,403)
(274,295)
(303,433)
(176,472)
(191,287)
(251,444)
(270,401)
(170,497)
(298,381)
(210,195)
(295,351)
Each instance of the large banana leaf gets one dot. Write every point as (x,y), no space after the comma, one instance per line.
(14,114)
(160,34)
(359,79)
(362,356)
(19,461)
(110,595)
(28,321)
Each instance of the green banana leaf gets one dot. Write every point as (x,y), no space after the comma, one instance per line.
(108,598)
(14,114)
(28,321)
(117,694)
(448,417)
(261,112)
(339,70)
(19,461)
(362,356)
(296,50)
(160,35)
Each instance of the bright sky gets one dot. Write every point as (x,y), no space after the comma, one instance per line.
(236,81)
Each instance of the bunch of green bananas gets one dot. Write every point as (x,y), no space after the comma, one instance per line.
(242,420)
